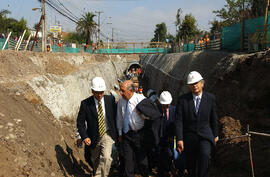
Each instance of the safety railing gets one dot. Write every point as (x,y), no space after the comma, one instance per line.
(248,135)
(211,45)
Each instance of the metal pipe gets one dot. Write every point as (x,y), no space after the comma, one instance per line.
(6,40)
(27,42)
(257,133)
(250,152)
(17,43)
(20,41)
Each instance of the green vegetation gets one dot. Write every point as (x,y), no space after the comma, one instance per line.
(160,33)
(87,26)
(75,37)
(234,10)
(11,24)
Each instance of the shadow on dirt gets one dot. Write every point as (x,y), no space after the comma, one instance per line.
(69,165)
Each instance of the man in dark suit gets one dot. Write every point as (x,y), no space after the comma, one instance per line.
(196,126)
(97,126)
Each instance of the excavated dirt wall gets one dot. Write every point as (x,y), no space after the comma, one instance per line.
(241,85)
(61,81)
(169,72)
(39,98)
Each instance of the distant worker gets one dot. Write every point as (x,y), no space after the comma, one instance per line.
(136,83)
(196,126)
(201,41)
(206,40)
(97,127)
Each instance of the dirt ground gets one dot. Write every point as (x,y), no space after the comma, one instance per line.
(33,143)
(243,98)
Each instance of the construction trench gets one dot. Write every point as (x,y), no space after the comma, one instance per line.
(40,96)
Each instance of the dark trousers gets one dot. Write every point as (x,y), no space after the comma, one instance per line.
(133,151)
(165,156)
(198,154)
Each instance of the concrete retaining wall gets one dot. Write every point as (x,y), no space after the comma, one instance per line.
(62,94)
(169,72)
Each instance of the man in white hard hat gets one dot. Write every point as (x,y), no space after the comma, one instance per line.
(97,127)
(196,126)
(167,133)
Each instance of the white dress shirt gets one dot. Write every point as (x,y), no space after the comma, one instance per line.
(135,121)
(104,111)
(195,97)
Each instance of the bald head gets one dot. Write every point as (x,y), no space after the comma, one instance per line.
(126,89)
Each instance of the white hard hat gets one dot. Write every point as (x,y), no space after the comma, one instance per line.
(165,98)
(98,84)
(194,77)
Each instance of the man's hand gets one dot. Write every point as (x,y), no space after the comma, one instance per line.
(180,146)
(120,139)
(87,141)
(216,139)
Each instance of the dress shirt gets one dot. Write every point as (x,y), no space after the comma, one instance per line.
(135,121)
(195,97)
(167,113)
(103,109)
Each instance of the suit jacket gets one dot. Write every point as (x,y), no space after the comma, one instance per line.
(169,128)
(87,121)
(204,124)
(151,124)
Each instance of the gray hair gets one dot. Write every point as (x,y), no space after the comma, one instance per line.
(131,86)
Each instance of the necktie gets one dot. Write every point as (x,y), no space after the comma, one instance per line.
(126,119)
(197,104)
(101,121)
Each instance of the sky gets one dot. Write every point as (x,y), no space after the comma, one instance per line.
(130,20)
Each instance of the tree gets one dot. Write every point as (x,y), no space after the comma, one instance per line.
(36,26)
(160,33)
(234,10)
(216,27)
(178,21)
(74,38)
(258,7)
(188,28)
(86,25)
(171,38)
(3,20)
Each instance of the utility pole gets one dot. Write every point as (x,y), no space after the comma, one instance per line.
(243,27)
(98,12)
(264,42)
(43,27)
(112,34)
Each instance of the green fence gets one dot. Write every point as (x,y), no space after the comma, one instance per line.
(231,36)
(189,47)
(55,48)
(2,42)
(128,50)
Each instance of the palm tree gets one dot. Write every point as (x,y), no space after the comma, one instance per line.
(87,25)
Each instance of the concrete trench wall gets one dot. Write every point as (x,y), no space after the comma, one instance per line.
(62,94)
(169,72)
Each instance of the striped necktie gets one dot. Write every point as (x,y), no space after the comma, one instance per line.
(101,121)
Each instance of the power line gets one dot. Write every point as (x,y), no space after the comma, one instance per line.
(54,6)
(68,10)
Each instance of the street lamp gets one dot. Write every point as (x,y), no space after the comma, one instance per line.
(36,8)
